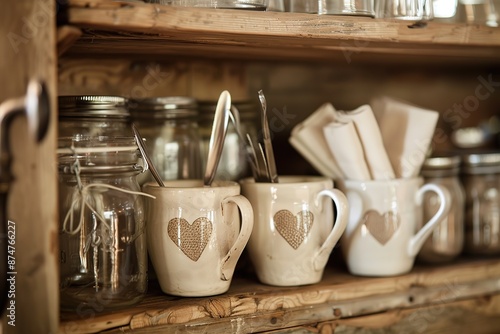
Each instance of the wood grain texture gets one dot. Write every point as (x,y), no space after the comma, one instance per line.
(28,47)
(136,77)
(477,315)
(66,37)
(122,27)
(252,307)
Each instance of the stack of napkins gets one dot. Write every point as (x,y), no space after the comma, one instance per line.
(386,142)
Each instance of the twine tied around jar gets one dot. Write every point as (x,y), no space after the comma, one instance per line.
(81,197)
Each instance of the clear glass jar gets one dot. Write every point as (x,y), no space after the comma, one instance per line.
(233,164)
(82,116)
(482,186)
(169,125)
(102,240)
(447,240)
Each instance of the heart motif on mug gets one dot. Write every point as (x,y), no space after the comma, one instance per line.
(190,238)
(381,227)
(293,228)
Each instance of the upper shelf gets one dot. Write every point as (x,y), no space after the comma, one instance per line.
(149,29)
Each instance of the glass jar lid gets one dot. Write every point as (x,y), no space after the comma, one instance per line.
(98,155)
(169,107)
(93,106)
(482,163)
(441,166)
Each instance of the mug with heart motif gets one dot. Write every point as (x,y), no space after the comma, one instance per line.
(195,235)
(382,237)
(294,230)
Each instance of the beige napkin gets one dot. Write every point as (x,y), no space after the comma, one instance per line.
(370,137)
(346,148)
(407,133)
(307,138)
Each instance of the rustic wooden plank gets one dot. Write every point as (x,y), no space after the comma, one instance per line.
(137,77)
(66,37)
(252,307)
(99,42)
(476,315)
(270,34)
(29,52)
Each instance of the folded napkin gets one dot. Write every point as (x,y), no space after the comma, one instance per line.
(370,137)
(407,133)
(307,138)
(347,150)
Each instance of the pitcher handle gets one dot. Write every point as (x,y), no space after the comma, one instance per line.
(338,229)
(417,241)
(228,262)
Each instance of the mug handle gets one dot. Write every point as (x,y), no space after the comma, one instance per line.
(340,201)
(228,262)
(417,241)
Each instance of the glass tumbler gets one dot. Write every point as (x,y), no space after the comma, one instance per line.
(229,4)
(346,7)
(411,10)
(303,6)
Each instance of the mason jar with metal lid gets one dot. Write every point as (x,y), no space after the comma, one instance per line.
(233,164)
(102,240)
(82,116)
(169,126)
(482,188)
(447,240)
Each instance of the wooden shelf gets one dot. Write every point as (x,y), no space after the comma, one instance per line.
(253,307)
(135,28)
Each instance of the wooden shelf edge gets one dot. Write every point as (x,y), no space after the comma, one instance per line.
(255,307)
(66,37)
(131,24)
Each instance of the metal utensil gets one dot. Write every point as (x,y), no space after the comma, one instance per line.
(217,137)
(268,146)
(147,160)
(234,117)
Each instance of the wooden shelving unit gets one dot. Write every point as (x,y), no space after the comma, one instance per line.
(137,28)
(251,307)
(458,297)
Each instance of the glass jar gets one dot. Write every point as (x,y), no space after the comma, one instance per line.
(169,126)
(102,240)
(233,164)
(92,116)
(447,240)
(482,186)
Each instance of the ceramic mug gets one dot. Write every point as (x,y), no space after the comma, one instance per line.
(382,237)
(195,235)
(294,231)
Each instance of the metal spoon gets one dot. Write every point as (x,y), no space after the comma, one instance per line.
(217,137)
(145,155)
(268,146)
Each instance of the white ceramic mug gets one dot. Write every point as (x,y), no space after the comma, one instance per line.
(294,231)
(195,236)
(382,237)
